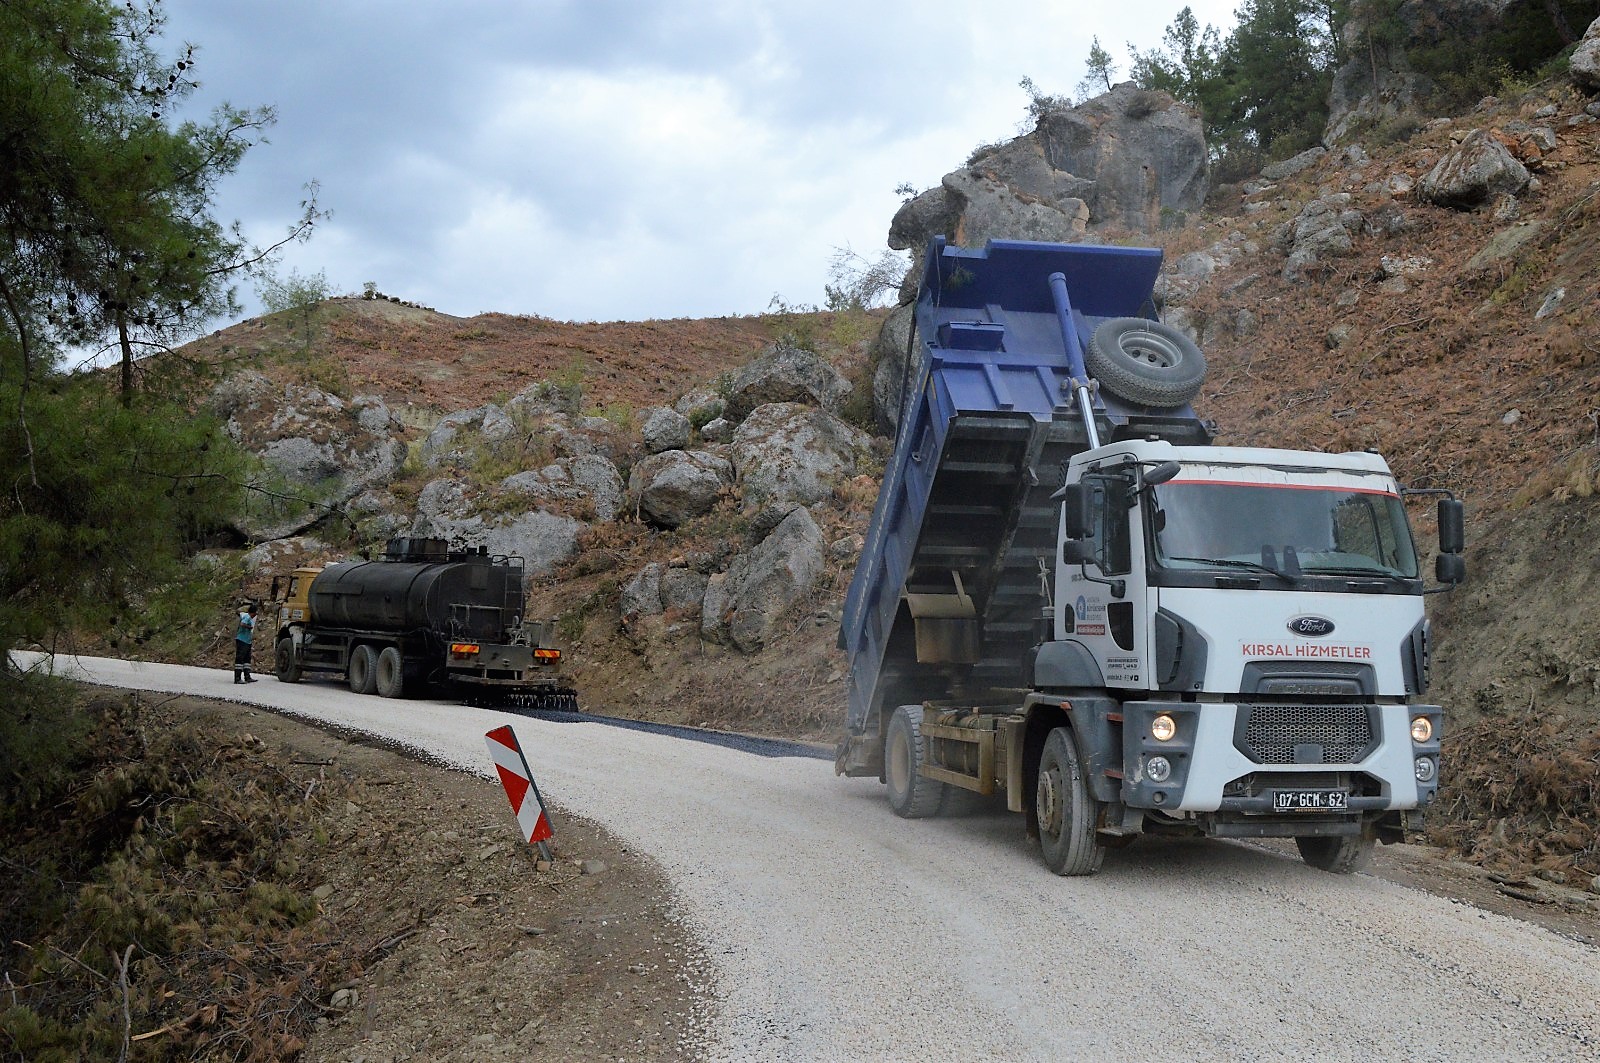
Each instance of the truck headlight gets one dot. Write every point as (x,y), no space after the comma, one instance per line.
(1158,769)
(1163,727)
(1425,769)
(1421,729)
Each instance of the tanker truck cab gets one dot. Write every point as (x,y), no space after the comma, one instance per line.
(1254,619)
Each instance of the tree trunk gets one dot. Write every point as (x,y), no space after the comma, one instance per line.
(127,359)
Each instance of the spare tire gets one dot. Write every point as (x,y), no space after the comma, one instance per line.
(1145,362)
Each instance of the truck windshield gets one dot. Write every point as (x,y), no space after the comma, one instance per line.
(1290,530)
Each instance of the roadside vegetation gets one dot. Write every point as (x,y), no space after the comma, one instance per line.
(157,885)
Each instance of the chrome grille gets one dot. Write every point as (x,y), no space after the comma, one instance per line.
(1272,732)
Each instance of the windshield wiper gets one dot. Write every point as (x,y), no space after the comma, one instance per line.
(1229,562)
(1352,570)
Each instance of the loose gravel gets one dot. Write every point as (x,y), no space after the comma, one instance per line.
(835,931)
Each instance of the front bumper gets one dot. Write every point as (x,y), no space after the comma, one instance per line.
(1213,768)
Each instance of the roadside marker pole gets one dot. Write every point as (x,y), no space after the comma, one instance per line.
(517,778)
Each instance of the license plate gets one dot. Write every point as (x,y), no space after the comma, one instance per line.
(1309,801)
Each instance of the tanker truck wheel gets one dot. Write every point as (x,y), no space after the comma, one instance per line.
(1065,810)
(363,672)
(1340,854)
(1145,362)
(391,679)
(911,794)
(284,665)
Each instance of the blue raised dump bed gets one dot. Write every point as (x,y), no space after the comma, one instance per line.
(964,527)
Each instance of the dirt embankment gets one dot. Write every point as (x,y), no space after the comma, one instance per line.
(219,881)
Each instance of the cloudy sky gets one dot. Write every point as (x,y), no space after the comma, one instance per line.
(598,160)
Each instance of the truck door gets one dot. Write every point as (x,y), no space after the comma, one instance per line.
(1103,598)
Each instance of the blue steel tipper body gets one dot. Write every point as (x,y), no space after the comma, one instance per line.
(964,526)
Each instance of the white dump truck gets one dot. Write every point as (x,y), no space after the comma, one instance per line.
(1070,596)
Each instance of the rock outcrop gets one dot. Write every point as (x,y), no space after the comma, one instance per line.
(1131,158)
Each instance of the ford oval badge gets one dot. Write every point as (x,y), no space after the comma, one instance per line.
(1311,626)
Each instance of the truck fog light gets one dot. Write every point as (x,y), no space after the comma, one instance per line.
(1159,769)
(1163,727)
(1425,769)
(1421,729)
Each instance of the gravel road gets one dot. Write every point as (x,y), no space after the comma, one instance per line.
(836,931)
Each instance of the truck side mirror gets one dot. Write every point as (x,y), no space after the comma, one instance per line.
(1452,521)
(1449,569)
(272,595)
(1077,511)
(1077,552)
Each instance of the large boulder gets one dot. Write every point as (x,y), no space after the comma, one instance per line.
(1325,228)
(786,453)
(447,509)
(1584,66)
(677,485)
(743,605)
(785,374)
(665,429)
(586,478)
(658,589)
(1474,173)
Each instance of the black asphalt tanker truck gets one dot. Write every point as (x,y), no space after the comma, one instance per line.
(422,616)
(1070,597)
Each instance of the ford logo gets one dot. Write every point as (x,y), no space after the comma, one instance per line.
(1311,626)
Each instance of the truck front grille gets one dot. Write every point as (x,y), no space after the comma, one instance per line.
(1306,734)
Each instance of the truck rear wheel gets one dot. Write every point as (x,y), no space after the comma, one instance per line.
(911,794)
(363,670)
(1340,854)
(391,679)
(1145,361)
(284,665)
(1065,810)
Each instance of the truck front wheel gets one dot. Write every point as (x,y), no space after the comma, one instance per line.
(911,794)
(1065,810)
(284,664)
(363,673)
(1340,854)
(391,681)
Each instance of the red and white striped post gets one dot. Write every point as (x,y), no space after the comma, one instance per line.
(517,778)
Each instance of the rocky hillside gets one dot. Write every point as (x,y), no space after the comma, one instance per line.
(690,494)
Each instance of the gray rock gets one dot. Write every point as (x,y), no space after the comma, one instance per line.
(1289,167)
(787,453)
(1552,302)
(683,589)
(676,485)
(586,477)
(665,429)
(785,374)
(890,374)
(717,430)
(641,596)
(1323,229)
(1474,173)
(374,415)
(744,605)
(1584,65)
(446,509)
(1504,246)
